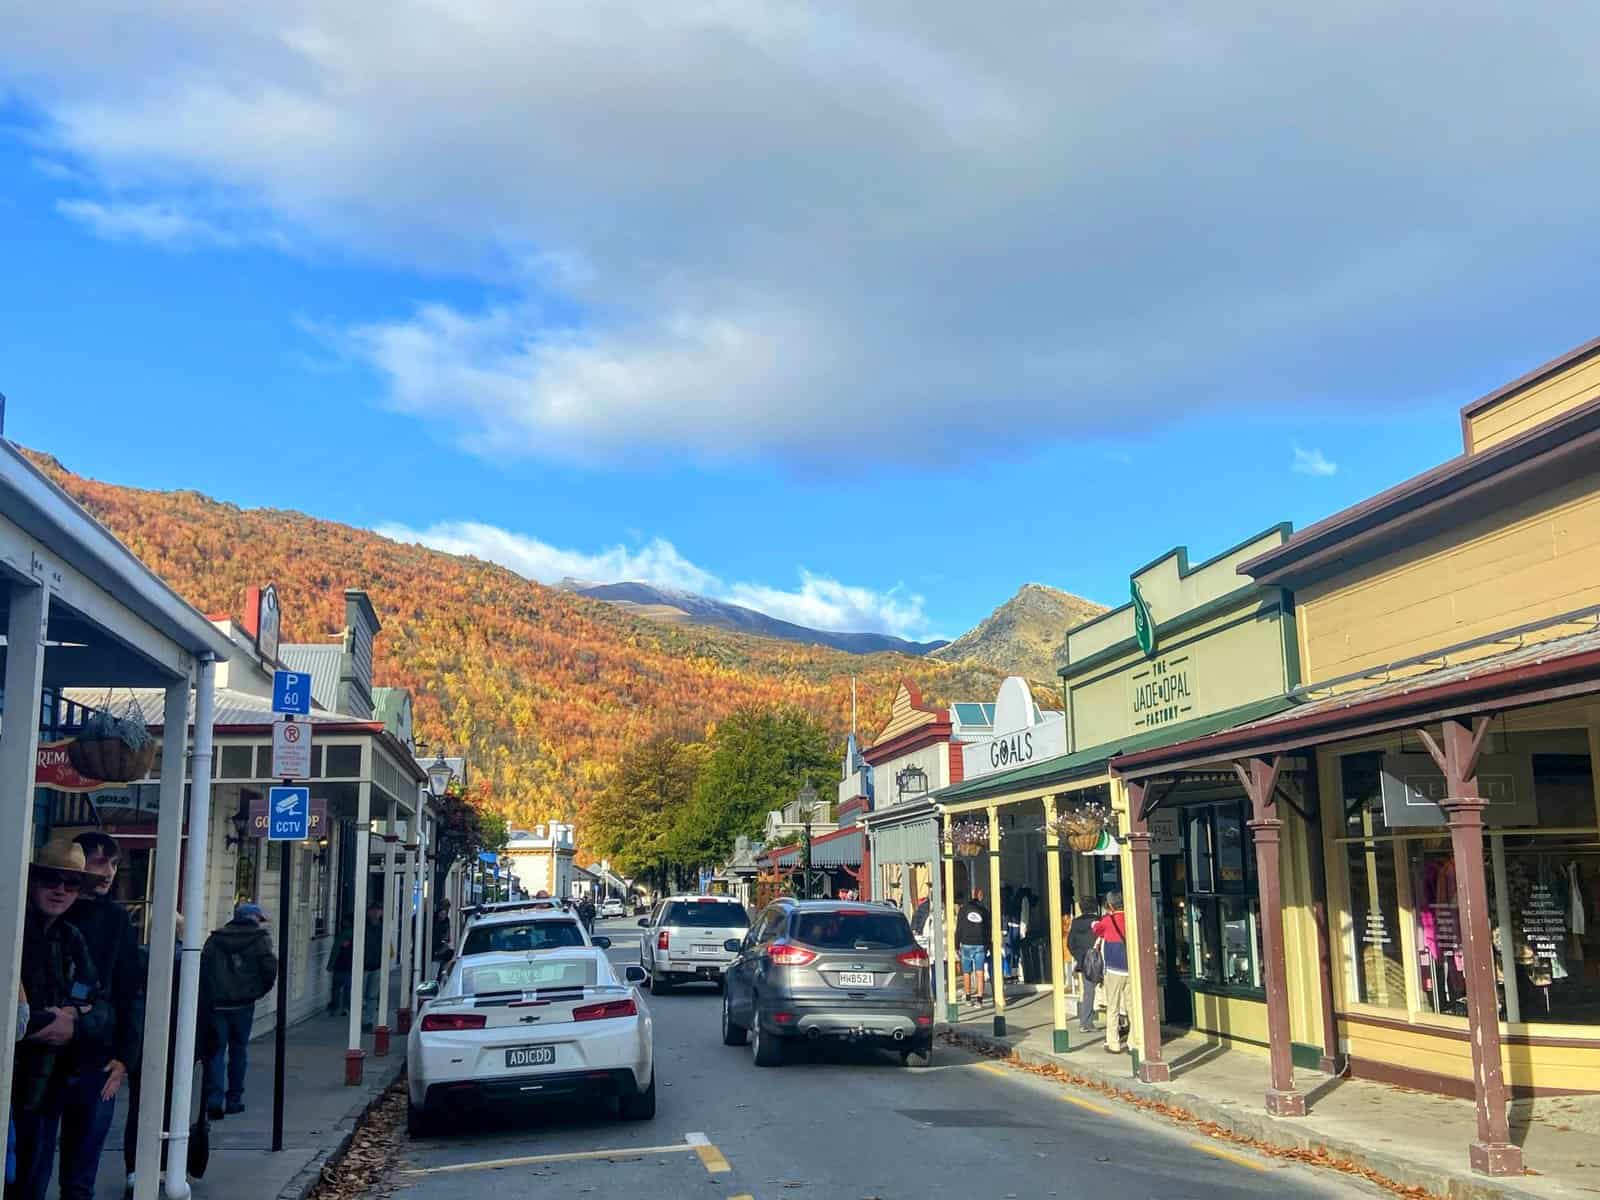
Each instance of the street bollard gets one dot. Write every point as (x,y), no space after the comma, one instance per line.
(380,1042)
(402,1023)
(353,1062)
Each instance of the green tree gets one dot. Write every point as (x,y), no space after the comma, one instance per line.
(759,758)
(632,821)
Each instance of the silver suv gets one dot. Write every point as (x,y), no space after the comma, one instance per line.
(685,938)
(829,969)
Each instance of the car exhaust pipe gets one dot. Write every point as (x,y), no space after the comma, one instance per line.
(899,1035)
(813,1033)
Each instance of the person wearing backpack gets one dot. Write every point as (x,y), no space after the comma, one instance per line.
(239,968)
(1080,941)
(1112,930)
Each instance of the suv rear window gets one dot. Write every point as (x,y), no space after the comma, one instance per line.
(533,935)
(849,929)
(708,914)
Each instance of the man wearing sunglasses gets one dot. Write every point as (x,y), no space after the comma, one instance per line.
(98,1076)
(68,1021)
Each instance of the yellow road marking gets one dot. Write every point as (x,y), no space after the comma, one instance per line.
(710,1156)
(1228,1155)
(1088,1104)
(742,1196)
(534,1159)
(993,1068)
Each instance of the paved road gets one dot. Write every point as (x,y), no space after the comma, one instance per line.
(833,1126)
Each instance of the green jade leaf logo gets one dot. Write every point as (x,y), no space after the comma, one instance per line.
(1144,625)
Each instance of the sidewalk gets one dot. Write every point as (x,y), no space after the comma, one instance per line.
(1414,1138)
(319,1115)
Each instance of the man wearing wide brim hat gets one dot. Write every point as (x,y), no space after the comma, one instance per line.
(69,1021)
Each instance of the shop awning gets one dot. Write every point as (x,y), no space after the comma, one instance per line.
(1039,778)
(1556,669)
(842,849)
(907,843)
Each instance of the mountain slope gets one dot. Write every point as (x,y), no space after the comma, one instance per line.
(543,689)
(672,605)
(1026,635)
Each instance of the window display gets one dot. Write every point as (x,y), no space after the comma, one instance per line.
(1223,929)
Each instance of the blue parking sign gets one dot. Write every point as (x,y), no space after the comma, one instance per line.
(291,692)
(288,814)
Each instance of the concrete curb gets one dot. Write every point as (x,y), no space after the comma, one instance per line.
(309,1175)
(1289,1133)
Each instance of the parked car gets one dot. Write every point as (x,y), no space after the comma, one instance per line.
(535,928)
(829,969)
(686,939)
(612,908)
(513,1028)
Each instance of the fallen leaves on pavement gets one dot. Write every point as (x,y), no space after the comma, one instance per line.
(1313,1157)
(362,1171)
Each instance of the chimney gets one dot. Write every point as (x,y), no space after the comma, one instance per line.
(361,627)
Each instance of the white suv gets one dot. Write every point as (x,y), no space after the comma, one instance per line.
(684,939)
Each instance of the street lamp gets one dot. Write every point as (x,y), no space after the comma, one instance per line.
(439,775)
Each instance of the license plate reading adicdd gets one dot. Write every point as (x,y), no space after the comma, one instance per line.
(855,978)
(530,1056)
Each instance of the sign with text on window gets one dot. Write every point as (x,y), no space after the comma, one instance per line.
(1413,786)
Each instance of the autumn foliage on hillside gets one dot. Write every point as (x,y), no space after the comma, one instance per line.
(543,690)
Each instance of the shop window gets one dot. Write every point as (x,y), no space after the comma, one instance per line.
(1378,962)
(236,762)
(343,762)
(1224,916)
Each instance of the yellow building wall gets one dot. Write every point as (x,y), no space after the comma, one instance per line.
(1417,1048)
(1507,568)
(1533,405)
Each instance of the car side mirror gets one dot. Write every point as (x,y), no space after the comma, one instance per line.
(635,974)
(733,945)
(426,992)
(601,943)
(644,922)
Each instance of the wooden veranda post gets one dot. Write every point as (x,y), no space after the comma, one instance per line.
(947,853)
(997,926)
(1058,962)
(1152,1067)
(1260,778)
(1456,755)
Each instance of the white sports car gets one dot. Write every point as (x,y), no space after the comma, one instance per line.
(507,1028)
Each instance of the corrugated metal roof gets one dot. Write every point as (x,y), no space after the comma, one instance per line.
(837,850)
(321,661)
(233,708)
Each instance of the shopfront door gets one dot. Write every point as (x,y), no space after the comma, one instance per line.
(1171,907)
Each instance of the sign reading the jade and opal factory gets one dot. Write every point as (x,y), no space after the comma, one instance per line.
(1162,692)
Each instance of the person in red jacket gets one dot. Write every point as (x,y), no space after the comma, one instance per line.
(1112,930)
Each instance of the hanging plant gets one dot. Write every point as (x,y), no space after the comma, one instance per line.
(969,837)
(1081,826)
(112,748)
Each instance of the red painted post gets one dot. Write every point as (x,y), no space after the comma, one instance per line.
(353,1064)
(380,1041)
(402,1021)
(1152,1067)
(1260,777)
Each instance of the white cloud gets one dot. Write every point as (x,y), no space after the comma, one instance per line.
(163,224)
(1313,462)
(819,603)
(765,229)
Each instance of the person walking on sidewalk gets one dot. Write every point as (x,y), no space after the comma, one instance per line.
(1080,940)
(1112,930)
(371,965)
(69,1024)
(239,968)
(339,960)
(107,931)
(972,941)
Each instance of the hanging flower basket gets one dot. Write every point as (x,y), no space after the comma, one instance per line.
(112,748)
(969,838)
(1081,827)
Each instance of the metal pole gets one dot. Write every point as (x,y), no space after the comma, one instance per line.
(281,1024)
(197,855)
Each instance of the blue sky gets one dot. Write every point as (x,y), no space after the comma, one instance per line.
(862,319)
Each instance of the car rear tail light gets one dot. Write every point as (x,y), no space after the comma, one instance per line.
(785,955)
(448,1022)
(606,1010)
(924,1020)
(783,1018)
(914,958)
(661,940)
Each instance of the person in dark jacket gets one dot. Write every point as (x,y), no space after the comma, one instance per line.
(1080,940)
(239,968)
(972,941)
(371,965)
(107,930)
(339,969)
(205,1045)
(69,1024)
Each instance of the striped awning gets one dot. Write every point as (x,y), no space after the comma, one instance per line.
(907,844)
(837,850)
